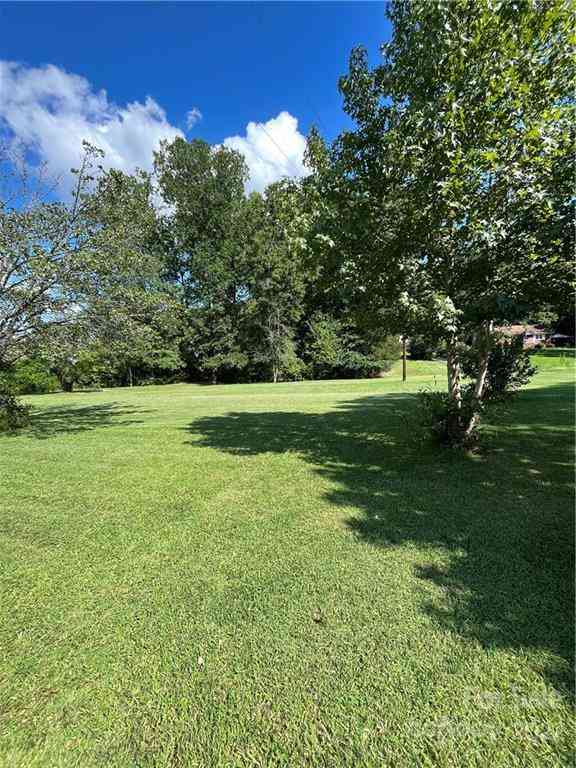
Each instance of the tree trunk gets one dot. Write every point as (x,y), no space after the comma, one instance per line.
(130,381)
(483,341)
(403,358)
(480,385)
(454,383)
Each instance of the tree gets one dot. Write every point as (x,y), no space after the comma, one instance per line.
(453,192)
(75,364)
(509,367)
(205,244)
(277,277)
(44,262)
(88,264)
(117,347)
(335,349)
(326,348)
(80,276)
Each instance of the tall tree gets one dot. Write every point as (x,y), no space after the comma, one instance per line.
(453,192)
(277,278)
(128,317)
(84,268)
(205,238)
(44,261)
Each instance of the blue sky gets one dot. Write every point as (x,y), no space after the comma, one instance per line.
(234,63)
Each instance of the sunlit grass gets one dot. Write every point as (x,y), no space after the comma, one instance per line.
(275,575)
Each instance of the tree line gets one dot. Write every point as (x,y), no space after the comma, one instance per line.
(446,210)
(177,272)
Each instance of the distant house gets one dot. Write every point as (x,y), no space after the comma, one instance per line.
(533,335)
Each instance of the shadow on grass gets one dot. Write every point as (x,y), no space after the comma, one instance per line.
(57,420)
(503,522)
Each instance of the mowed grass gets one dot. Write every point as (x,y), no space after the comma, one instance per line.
(276,575)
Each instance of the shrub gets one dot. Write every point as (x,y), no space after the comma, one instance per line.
(292,367)
(356,364)
(225,367)
(335,350)
(84,369)
(13,413)
(440,419)
(32,377)
(388,348)
(509,368)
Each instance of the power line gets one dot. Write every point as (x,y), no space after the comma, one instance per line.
(273,140)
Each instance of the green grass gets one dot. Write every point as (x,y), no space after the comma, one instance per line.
(275,575)
(545,359)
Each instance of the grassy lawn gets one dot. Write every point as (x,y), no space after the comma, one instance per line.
(274,575)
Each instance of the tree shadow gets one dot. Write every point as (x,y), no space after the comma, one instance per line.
(57,420)
(502,521)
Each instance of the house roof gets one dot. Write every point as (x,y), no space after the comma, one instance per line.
(517,329)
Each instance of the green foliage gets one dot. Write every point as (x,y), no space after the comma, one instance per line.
(211,345)
(32,377)
(450,202)
(237,261)
(325,349)
(73,263)
(447,207)
(447,422)
(84,368)
(204,241)
(291,366)
(545,316)
(203,232)
(13,414)
(225,364)
(280,363)
(357,364)
(80,281)
(422,349)
(509,368)
(278,277)
(335,350)
(388,348)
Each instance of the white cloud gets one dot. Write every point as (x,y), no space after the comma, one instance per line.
(193,117)
(272,150)
(50,112)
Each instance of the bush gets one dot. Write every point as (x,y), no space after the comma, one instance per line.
(355,364)
(335,350)
(13,413)
(32,377)
(440,419)
(325,346)
(389,349)
(292,368)
(509,368)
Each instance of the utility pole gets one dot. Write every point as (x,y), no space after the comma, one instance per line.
(403,358)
